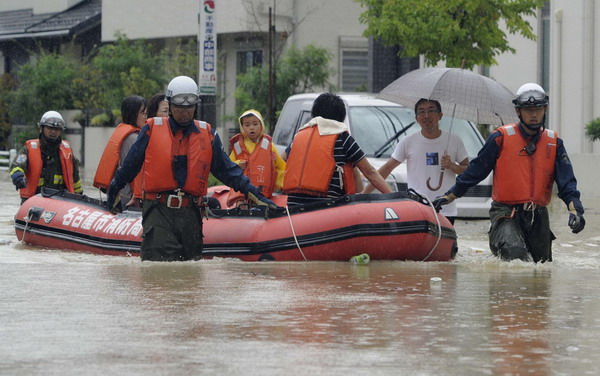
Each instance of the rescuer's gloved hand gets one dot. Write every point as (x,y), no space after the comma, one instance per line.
(18,179)
(113,203)
(576,220)
(256,197)
(443,200)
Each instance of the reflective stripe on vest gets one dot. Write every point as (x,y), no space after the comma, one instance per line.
(260,168)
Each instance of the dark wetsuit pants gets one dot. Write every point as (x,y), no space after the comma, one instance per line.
(170,234)
(516,233)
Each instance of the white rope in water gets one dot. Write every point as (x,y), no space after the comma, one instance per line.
(435,213)
(294,232)
(27,219)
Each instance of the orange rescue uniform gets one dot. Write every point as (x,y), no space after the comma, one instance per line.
(158,173)
(312,149)
(520,178)
(35,166)
(261,162)
(111,157)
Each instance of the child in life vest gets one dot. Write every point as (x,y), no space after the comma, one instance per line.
(254,152)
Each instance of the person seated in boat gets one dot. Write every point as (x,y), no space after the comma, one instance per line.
(322,156)
(253,150)
(157,106)
(46,161)
(133,115)
(178,154)
(431,155)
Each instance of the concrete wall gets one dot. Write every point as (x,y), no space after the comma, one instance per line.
(95,141)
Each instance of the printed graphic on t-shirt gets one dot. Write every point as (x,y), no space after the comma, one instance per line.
(432,159)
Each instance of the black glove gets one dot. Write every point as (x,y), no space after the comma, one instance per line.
(18,179)
(113,202)
(443,200)
(255,196)
(576,220)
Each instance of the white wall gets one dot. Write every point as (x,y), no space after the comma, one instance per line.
(39,6)
(575,73)
(320,22)
(159,19)
(513,70)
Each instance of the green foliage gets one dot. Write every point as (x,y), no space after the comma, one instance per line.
(7,85)
(122,69)
(43,85)
(20,137)
(98,84)
(461,32)
(592,130)
(184,59)
(300,70)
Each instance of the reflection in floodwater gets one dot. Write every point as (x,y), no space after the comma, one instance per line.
(70,313)
(518,314)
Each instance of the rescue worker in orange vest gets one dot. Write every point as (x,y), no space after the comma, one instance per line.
(178,153)
(47,161)
(254,152)
(527,159)
(322,157)
(133,114)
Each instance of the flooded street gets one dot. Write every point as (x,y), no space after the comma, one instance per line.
(69,313)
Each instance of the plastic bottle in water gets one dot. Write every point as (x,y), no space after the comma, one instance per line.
(361,259)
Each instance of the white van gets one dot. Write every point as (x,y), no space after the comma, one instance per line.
(374,123)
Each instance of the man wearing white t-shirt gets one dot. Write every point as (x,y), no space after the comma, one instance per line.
(427,153)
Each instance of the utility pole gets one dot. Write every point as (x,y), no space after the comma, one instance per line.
(270,97)
(271,103)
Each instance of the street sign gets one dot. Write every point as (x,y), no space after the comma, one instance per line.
(207,49)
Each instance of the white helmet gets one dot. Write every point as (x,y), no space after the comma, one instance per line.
(52,119)
(182,91)
(530,95)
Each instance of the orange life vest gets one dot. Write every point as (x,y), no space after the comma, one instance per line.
(261,163)
(520,178)
(111,157)
(163,146)
(35,165)
(312,149)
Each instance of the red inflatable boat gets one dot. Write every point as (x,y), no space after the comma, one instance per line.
(387,227)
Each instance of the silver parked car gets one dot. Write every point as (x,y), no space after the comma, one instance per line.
(377,125)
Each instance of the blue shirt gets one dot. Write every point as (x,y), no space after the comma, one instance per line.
(221,166)
(480,167)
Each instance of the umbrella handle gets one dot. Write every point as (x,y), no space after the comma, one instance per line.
(439,183)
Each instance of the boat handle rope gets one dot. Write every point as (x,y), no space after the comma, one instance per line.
(435,213)
(27,218)
(294,232)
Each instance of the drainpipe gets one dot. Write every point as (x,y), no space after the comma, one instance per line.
(556,72)
(588,71)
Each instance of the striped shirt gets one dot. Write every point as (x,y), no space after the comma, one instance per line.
(346,150)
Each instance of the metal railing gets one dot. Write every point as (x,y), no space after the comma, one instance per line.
(6,157)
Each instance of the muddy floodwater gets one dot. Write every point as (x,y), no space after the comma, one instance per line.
(66,313)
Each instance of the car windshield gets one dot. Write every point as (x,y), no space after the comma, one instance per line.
(373,126)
